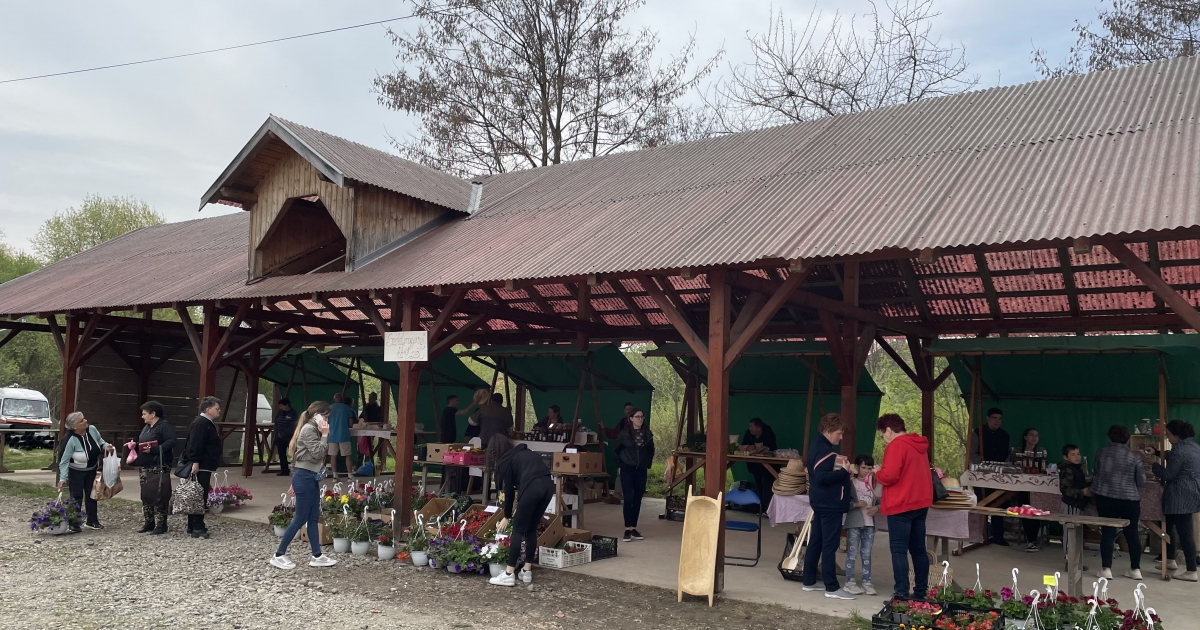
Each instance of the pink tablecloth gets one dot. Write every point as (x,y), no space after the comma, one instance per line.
(946,523)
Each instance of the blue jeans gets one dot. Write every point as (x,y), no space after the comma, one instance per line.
(858,544)
(823,545)
(308,511)
(633,487)
(906,533)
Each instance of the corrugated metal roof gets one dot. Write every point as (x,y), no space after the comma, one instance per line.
(1107,153)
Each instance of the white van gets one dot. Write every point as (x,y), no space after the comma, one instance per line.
(26,409)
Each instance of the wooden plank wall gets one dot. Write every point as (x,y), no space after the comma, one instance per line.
(385,216)
(303,228)
(108,390)
(294,177)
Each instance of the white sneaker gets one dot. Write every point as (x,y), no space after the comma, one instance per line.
(1171,564)
(1032,548)
(813,588)
(322,561)
(1133,574)
(869,589)
(1104,573)
(1187,576)
(282,562)
(838,594)
(504,579)
(854,589)
(526,576)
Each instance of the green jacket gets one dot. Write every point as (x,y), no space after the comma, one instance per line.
(74,444)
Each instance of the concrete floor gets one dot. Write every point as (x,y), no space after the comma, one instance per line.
(654,561)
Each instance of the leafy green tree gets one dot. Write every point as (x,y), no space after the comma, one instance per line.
(96,220)
(15,263)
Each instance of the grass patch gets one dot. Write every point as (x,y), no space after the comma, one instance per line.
(858,622)
(656,486)
(32,459)
(28,490)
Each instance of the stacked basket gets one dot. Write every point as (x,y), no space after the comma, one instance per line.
(793,479)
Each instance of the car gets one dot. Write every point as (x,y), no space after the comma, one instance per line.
(29,410)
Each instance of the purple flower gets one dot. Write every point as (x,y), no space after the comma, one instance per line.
(1027,600)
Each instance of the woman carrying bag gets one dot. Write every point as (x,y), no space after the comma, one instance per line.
(155,453)
(307,449)
(78,463)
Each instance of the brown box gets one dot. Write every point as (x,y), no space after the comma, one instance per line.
(579,463)
(435,509)
(436,452)
(326,537)
(554,531)
(576,535)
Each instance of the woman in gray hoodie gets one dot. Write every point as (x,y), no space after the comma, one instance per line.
(307,449)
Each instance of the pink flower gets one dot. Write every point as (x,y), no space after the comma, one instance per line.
(1006,594)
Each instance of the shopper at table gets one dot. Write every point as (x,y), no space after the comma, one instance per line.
(1181,493)
(635,455)
(285,427)
(552,420)
(1031,528)
(907,495)
(155,454)
(78,464)
(522,475)
(1119,474)
(492,419)
(1073,486)
(761,436)
(997,447)
(340,415)
(829,495)
(307,448)
(860,523)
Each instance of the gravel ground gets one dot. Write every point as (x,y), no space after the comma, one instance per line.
(116,578)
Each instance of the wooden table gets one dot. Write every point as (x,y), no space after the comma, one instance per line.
(1075,552)
(576,514)
(264,444)
(769,463)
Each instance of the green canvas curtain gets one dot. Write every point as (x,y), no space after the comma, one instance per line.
(1072,389)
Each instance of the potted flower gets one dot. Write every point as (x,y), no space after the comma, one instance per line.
(58,517)
(418,546)
(462,556)
(360,538)
(281,517)
(439,551)
(218,498)
(1015,607)
(339,529)
(496,556)
(386,547)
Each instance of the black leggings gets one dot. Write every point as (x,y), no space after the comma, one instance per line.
(1182,536)
(80,484)
(1130,511)
(531,506)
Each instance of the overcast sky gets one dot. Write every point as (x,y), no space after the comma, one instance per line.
(163,132)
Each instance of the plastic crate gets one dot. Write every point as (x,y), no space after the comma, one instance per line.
(603,547)
(575,554)
(956,608)
(793,575)
(882,620)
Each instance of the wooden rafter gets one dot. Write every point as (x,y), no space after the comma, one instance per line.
(443,317)
(56,333)
(87,351)
(234,324)
(456,336)
(909,276)
(754,302)
(330,308)
(899,361)
(630,304)
(540,300)
(189,329)
(676,317)
(257,342)
(368,308)
(989,287)
(495,297)
(9,336)
(279,354)
(753,328)
(1177,302)
(1068,276)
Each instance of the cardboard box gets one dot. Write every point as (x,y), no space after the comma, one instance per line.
(435,509)
(576,535)
(554,531)
(436,452)
(464,458)
(326,537)
(579,463)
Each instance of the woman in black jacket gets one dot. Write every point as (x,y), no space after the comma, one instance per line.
(520,471)
(829,495)
(761,437)
(203,450)
(635,454)
(156,452)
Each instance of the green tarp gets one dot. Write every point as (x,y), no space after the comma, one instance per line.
(770,381)
(1072,389)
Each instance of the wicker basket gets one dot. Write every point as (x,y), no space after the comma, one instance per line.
(575,554)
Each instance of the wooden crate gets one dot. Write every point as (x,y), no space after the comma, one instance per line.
(434,509)
(579,463)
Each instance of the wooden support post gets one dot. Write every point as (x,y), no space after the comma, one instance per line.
(70,383)
(717,453)
(385,402)
(208,343)
(251,430)
(406,414)
(519,408)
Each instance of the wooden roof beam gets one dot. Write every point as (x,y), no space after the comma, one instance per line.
(674,315)
(1068,275)
(989,287)
(1177,302)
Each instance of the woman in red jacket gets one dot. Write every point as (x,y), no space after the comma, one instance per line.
(907,495)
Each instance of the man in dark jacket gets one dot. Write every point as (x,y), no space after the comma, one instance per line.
(829,495)
(285,425)
(203,450)
(997,447)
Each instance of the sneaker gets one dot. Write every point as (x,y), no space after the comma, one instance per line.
(322,561)
(1187,576)
(1001,542)
(1133,574)
(282,562)
(1032,548)
(854,589)
(504,579)
(869,589)
(93,525)
(1171,564)
(74,529)
(526,576)
(628,536)
(1105,573)
(839,594)
(638,535)
(813,587)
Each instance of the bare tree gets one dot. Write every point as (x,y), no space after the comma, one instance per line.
(500,85)
(1131,32)
(831,68)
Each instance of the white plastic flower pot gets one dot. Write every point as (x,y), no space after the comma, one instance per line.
(360,548)
(433,563)
(280,531)
(341,545)
(496,569)
(216,508)
(385,553)
(420,558)
(57,530)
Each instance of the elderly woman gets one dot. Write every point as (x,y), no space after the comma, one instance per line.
(156,452)
(1119,474)
(829,493)
(1181,493)
(77,465)
(907,494)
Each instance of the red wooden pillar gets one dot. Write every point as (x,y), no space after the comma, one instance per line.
(208,343)
(251,431)
(717,452)
(850,331)
(385,402)
(70,380)
(406,415)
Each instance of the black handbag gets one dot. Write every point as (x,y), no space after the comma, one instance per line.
(940,492)
(156,489)
(183,469)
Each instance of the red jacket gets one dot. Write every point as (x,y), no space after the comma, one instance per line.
(905,476)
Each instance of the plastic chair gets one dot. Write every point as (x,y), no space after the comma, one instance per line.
(744,498)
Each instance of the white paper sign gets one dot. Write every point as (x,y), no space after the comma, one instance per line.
(406,346)
(491,509)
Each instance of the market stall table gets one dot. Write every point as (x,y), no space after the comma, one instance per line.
(771,464)
(560,479)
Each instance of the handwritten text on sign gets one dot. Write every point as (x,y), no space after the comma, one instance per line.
(406,346)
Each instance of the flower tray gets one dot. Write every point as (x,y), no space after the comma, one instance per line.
(463,458)
(575,554)
(957,608)
(603,547)
(882,620)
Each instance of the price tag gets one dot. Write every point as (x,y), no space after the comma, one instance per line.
(491,509)
(1049,580)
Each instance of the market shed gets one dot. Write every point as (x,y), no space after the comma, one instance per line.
(790,385)
(1071,389)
